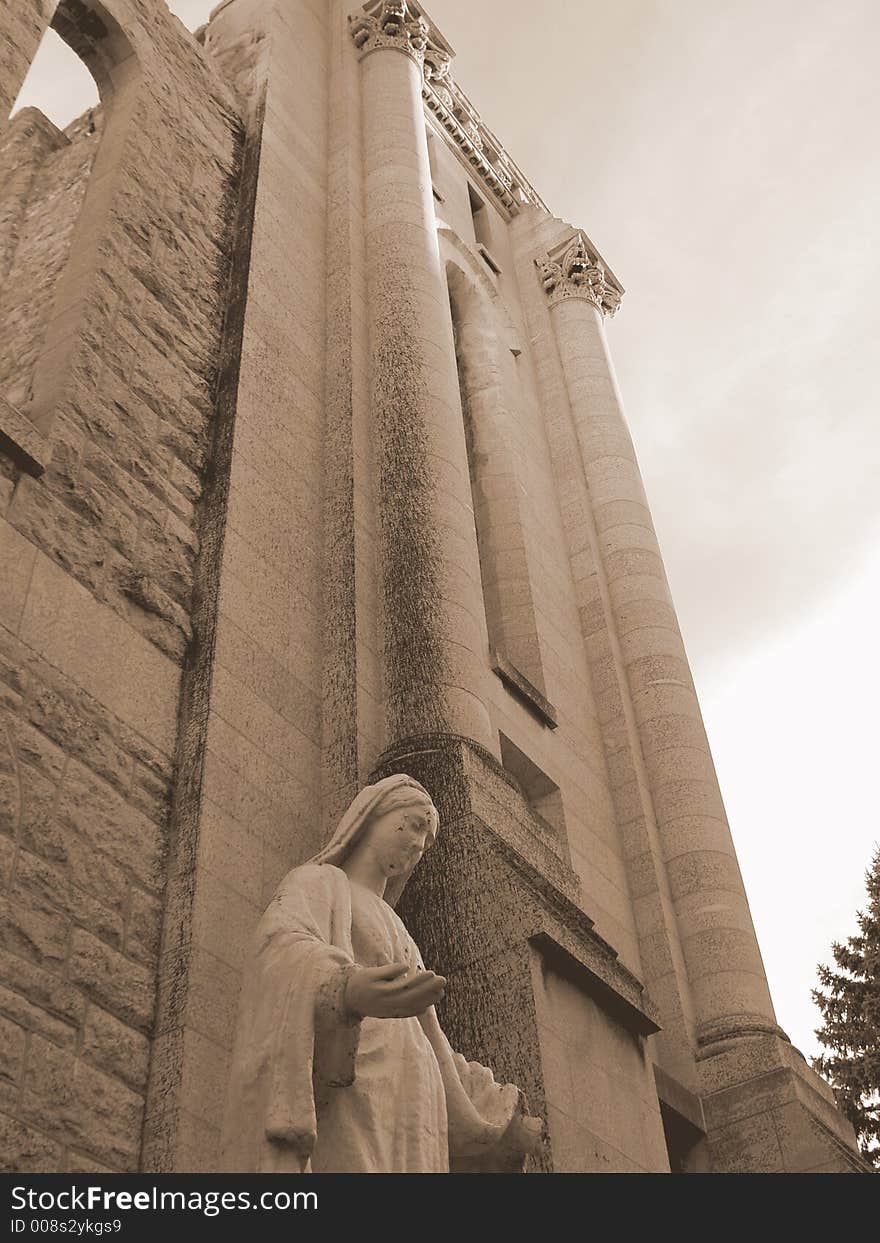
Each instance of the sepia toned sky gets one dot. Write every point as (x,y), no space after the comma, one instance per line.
(722,156)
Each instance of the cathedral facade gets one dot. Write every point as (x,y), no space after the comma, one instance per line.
(314,469)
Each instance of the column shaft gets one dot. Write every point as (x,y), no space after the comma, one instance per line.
(434,621)
(723,962)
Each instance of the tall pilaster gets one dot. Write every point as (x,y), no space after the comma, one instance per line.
(433,617)
(674,773)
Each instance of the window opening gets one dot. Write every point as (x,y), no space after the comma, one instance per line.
(58,83)
(480,217)
(542,794)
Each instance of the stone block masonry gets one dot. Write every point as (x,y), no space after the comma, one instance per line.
(114,241)
(43,179)
(22,23)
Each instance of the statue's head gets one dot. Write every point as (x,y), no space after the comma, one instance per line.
(395,820)
(397,834)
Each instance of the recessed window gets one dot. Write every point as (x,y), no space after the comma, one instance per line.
(488,260)
(480,216)
(482,229)
(434,164)
(487,400)
(543,795)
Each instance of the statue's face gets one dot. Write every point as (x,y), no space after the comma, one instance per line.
(397,839)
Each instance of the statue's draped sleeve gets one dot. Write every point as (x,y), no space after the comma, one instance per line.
(293,1030)
(479,1110)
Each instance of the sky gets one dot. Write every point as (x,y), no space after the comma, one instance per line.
(721,154)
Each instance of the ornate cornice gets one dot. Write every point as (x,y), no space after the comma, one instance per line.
(476,142)
(405,25)
(577,273)
(390,25)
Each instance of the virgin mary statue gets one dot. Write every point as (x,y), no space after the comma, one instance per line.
(340,1064)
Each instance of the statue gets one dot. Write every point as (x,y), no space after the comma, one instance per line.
(340,1064)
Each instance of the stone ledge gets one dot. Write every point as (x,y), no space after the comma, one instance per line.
(520,686)
(21,441)
(617,992)
(679,1098)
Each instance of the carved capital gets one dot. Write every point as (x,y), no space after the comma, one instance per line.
(402,25)
(392,26)
(578,274)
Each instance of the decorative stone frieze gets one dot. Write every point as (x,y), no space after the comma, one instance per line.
(479,146)
(579,274)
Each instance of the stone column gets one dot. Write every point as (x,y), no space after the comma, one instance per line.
(723,963)
(434,666)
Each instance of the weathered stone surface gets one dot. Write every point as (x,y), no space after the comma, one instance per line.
(108,823)
(114,1048)
(17,559)
(124,987)
(29,810)
(25,1150)
(12,1041)
(35,930)
(140,685)
(80,1106)
(34,1018)
(81,738)
(42,247)
(143,932)
(43,989)
(7,858)
(35,749)
(37,882)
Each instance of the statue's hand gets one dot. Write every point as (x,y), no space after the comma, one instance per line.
(523,1138)
(524,1135)
(392,991)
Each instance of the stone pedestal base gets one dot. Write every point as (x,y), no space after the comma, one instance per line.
(767,1112)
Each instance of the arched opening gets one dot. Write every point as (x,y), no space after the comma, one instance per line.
(53,198)
(58,83)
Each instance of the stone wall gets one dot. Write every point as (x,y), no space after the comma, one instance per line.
(21,26)
(250,793)
(43,178)
(97,558)
(602,1110)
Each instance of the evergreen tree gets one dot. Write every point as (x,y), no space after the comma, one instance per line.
(849,1000)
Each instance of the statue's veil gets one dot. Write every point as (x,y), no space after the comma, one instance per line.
(398,790)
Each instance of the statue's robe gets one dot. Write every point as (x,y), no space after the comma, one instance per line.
(313,1089)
